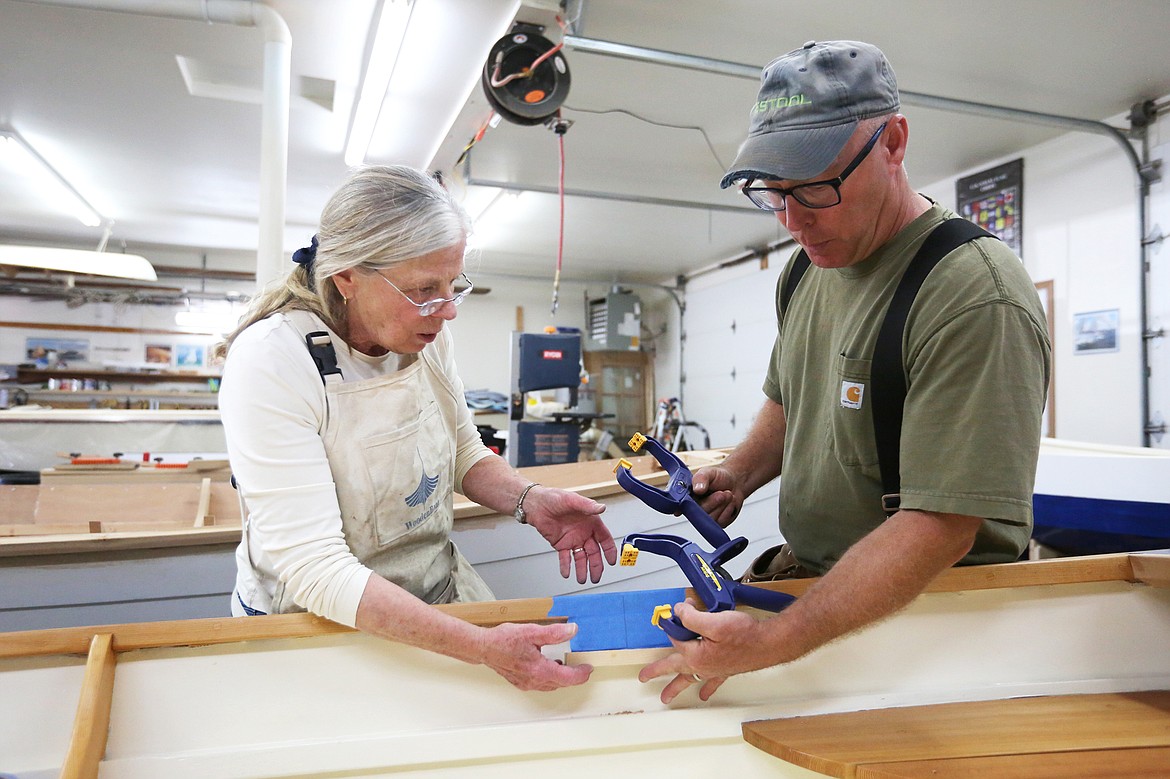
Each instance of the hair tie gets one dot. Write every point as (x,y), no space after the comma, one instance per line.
(306,255)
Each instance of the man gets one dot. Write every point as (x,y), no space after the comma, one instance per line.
(825,152)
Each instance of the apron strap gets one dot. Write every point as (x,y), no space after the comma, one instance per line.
(324,356)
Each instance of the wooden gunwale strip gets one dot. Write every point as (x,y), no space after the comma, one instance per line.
(227,630)
(91,726)
(224,630)
(1031,573)
(28,545)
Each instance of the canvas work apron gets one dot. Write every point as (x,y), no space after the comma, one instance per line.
(390,442)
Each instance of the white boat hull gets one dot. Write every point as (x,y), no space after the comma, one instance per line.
(347,705)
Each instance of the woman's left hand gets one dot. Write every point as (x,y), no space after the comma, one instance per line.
(572,524)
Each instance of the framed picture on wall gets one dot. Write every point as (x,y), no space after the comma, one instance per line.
(189,355)
(994,200)
(1096,331)
(50,352)
(159,354)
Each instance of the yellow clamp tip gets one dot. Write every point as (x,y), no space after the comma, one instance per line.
(636,441)
(629,555)
(660,613)
(623,463)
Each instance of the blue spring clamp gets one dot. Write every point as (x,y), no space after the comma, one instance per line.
(703,569)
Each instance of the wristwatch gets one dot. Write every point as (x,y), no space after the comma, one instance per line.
(520,514)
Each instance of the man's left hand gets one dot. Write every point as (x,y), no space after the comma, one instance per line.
(729,644)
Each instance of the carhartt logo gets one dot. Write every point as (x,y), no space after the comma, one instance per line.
(774,103)
(851,394)
(426,487)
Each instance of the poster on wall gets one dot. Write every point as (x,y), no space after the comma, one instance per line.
(1096,331)
(994,200)
(189,355)
(159,354)
(50,352)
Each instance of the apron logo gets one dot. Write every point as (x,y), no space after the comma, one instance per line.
(553,354)
(424,490)
(851,394)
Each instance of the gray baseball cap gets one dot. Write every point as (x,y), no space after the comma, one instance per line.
(810,102)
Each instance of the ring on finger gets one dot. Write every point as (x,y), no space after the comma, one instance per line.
(697,678)
(580,549)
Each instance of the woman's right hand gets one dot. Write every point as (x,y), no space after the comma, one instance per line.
(512,650)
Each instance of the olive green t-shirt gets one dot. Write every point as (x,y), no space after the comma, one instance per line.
(976,357)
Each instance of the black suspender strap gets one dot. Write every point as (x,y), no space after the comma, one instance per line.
(799,265)
(323,354)
(887,377)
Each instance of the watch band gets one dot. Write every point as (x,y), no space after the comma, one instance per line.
(520,514)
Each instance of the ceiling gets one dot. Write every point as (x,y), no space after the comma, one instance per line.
(101,95)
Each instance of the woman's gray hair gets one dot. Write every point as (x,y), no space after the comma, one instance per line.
(381,216)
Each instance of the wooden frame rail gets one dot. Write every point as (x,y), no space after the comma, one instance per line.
(91,726)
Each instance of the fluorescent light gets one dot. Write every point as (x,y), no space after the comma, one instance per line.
(482,46)
(18,153)
(124,266)
(390,28)
(442,56)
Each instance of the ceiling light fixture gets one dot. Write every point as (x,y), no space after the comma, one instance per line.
(440,60)
(123,266)
(393,17)
(19,154)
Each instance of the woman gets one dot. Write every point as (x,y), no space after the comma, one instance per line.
(348,433)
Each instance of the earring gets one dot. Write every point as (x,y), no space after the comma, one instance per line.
(344,300)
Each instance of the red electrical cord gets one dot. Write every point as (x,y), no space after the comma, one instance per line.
(561,232)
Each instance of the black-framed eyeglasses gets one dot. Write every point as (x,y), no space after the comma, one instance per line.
(431,306)
(815,194)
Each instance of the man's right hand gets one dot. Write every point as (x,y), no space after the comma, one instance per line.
(718,493)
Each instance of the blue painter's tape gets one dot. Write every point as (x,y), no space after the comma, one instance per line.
(615,620)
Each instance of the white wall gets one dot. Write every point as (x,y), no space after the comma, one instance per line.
(1081,229)
(1080,207)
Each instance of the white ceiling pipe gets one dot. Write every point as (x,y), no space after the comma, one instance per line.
(274,109)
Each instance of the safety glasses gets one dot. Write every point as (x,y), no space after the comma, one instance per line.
(431,306)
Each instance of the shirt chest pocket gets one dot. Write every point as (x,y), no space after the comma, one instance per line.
(408,472)
(850,428)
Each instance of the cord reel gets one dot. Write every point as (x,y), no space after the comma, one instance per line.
(526,77)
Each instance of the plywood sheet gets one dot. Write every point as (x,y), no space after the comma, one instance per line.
(134,503)
(842,744)
(18,503)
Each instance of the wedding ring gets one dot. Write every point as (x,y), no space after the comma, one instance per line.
(579,549)
(697,678)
